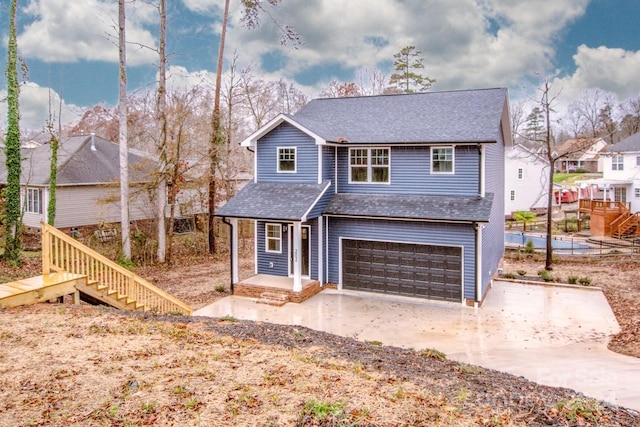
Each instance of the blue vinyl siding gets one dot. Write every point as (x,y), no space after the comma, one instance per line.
(493,233)
(401,231)
(281,261)
(411,173)
(286,135)
(280,266)
(328,163)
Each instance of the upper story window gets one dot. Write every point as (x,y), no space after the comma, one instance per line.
(520,173)
(638,161)
(273,238)
(512,195)
(33,200)
(617,163)
(286,159)
(637,193)
(369,165)
(442,159)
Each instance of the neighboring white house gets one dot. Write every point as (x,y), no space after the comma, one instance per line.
(526,180)
(584,154)
(87,190)
(621,172)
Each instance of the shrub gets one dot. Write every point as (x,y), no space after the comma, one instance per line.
(522,272)
(221,288)
(529,247)
(545,275)
(585,281)
(572,280)
(509,276)
(433,353)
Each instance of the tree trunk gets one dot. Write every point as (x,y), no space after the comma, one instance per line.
(13,223)
(547,107)
(216,135)
(162,140)
(122,136)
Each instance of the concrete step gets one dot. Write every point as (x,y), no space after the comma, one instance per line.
(273,298)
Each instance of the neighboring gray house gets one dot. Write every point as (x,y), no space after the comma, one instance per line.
(395,194)
(87,190)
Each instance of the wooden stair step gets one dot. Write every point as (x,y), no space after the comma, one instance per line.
(273,298)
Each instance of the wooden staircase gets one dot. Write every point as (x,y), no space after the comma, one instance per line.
(107,282)
(626,225)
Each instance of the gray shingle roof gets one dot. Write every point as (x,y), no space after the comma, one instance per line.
(78,164)
(630,143)
(438,208)
(445,117)
(273,200)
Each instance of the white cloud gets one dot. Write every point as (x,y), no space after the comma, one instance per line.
(179,78)
(460,47)
(71,31)
(34,104)
(612,70)
(204,6)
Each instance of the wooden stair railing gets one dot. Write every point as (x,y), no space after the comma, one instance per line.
(107,281)
(626,225)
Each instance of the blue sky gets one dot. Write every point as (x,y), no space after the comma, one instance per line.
(69,47)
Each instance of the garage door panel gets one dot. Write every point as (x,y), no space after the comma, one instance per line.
(425,271)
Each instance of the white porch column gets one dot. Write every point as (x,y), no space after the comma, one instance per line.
(234,250)
(296,255)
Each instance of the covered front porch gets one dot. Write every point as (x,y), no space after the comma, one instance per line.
(256,287)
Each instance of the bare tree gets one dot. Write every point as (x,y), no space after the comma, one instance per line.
(161,117)
(546,138)
(630,110)
(251,10)
(371,81)
(517,118)
(122,137)
(338,89)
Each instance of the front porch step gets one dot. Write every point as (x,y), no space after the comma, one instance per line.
(273,298)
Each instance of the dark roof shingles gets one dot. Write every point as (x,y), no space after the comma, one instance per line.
(273,200)
(419,207)
(446,117)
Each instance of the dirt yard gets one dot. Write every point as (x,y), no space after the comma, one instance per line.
(66,365)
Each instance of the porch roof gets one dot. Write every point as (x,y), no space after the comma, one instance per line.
(274,201)
(604,181)
(418,207)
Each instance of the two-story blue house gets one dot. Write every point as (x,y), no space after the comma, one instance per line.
(395,194)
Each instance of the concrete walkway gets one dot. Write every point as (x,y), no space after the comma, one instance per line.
(551,335)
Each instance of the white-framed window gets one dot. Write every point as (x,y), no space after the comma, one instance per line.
(617,163)
(512,195)
(442,159)
(273,238)
(287,159)
(33,200)
(638,161)
(369,165)
(520,173)
(636,192)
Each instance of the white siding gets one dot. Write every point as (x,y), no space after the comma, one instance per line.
(531,190)
(89,205)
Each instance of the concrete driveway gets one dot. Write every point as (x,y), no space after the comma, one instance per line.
(549,334)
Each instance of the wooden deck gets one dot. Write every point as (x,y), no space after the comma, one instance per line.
(40,289)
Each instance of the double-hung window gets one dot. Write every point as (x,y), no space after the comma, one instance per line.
(369,165)
(273,238)
(617,163)
(287,159)
(520,173)
(33,200)
(442,159)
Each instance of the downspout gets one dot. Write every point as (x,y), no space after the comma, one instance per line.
(480,172)
(224,219)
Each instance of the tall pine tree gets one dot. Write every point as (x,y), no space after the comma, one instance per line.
(407,77)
